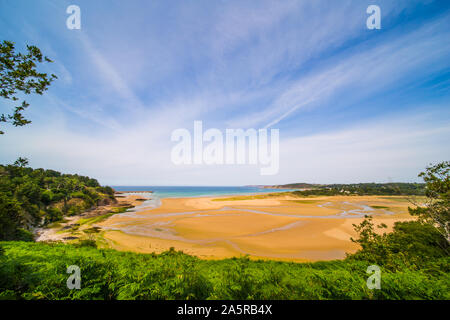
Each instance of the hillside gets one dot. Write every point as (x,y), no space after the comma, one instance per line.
(300,185)
(30,198)
(394,188)
(413,258)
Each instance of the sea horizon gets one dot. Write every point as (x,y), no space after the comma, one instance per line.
(213,152)
(198,191)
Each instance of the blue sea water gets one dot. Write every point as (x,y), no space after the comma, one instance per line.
(187,192)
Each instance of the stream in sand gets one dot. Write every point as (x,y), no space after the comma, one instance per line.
(155,202)
(281,235)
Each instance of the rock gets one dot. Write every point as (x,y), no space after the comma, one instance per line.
(70,238)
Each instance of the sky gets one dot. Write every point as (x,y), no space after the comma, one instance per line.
(351,104)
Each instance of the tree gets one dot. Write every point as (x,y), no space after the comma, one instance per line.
(10,217)
(411,243)
(18,74)
(35,197)
(21,162)
(373,244)
(436,208)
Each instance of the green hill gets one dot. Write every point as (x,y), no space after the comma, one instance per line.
(36,197)
(394,188)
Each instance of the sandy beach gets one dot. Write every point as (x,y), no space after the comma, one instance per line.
(63,231)
(276,227)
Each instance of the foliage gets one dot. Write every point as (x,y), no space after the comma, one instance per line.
(436,210)
(18,74)
(389,189)
(33,197)
(410,245)
(38,271)
(413,258)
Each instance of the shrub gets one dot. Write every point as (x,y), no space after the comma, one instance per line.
(24,235)
(38,271)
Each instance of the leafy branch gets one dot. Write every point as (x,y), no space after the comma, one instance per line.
(18,74)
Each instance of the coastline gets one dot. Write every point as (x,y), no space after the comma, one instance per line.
(262,225)
(55,231)
(163,192)
(278,227)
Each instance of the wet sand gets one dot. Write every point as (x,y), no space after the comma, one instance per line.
(62,232)
(283,227)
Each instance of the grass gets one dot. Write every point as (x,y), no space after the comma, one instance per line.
(103,217)
(306,201)
(38,271)
(54,225)
(72,230)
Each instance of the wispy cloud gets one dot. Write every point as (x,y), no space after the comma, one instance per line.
(111,76)
(376,151)
(134,73)
(368,70)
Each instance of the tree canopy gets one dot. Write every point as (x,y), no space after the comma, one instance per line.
(18,74)
(34,197)
(436,210)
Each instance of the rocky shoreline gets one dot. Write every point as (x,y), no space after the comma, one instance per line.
(56,233)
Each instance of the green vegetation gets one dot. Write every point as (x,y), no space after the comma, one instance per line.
(306,201)
(18,74)
(35,197)
(436,210)
(300,185)
(414,262)
(359,189)
(103,217)
(365,189)
(413,245)
(38,271)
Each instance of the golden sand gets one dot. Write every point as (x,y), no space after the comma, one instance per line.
(283,227)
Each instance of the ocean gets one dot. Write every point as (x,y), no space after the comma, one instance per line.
(188,192)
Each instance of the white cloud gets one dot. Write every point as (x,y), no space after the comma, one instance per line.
(366,72)
(382,150)
(238,66)
(396,149)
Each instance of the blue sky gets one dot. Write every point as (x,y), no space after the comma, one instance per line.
(351,104)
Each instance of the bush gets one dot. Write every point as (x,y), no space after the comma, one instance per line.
(38,271)
(53,215)
(47,197)
(87,243)
(73,210)
(78,194)
(29,196)
(412,245)
(24,235)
